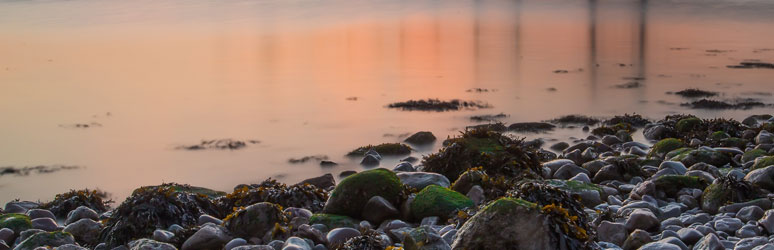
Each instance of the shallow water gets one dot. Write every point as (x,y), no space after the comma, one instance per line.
(176,72)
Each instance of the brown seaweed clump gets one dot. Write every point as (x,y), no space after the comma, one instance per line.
(149,208)
(66,202)
(298,195)
(494,152)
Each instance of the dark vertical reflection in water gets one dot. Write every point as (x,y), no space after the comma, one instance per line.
(593,62)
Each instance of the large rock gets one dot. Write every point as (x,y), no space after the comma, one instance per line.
(438,201)
(324,181)
(506,224)
(15,222)
(661,148)
(763,178)
(339,236)
(642,219)
(378,209)
(148,244)
(254,220)
(636,239)
(612,232)
(420,180)
(85,231)
(353,192)
(712,157)
(421,138)
(709,242)
(82,212)
(53,239)
(207,238)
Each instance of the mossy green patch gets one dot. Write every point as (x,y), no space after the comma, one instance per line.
(734,142)
(676,152)
(438,201)
(353,192)
(52,239)
(763,162)
(671,184)
(753,154)
(665,146)
(719,135)
(15,222)
(691,157)
(333,221)
(573,186)
(688,124)
(507,204)
(383,149)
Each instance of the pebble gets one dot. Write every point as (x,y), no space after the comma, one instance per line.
(163,235)
(296,243)
(45,224)
(340,235)
(82,212)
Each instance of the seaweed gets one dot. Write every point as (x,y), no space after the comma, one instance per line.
(66,202)
(383,149)
(575,119)
(694,93)
(437,105)
(298,195)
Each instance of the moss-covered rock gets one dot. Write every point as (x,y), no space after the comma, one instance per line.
(726,190)
(688,124)
(719,135)
(753,154)
(671,184)
(383,149)
(15,222)
(254,220)
(438,201)
(691,157)
(763,162)
(664,146)
(52,239)
(333,221)
(353,192)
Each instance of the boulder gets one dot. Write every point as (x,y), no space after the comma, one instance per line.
(208,238)
(420,180)
(377,209)
(53,239)
(252,221)
(763,178)
(85,231)
(15,222)
(353,192)
(642,219)
(494,227)
(421,138)
(324,181)
(438,201)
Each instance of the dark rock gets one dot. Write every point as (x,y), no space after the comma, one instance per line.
(532,127)
(253,221)
(421,138)
(377,209)
(324,181)
(353,192)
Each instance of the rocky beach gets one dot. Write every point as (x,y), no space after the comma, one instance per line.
(693,184)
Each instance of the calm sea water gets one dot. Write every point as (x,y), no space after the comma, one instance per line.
(280,71)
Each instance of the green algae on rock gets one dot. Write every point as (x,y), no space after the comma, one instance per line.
(15,222)
(763,162)
(333,220)
(438,201)
(383,149)
(726,190)
(690,157)
(353,192)
(665,146)
(50,239)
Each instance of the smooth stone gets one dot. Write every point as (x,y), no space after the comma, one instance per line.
(420,180)
(36,213)
(750,213)
(659,245)
(312,233)
(82,212)
(763,177)
(763,203)
(6,234)
(764,137)
(750,243)
(709,242)
(236,242)
(642,219)
(84,230)
(728,225)
(476,194)
(674,241)
(325,181)
(45,224)
(370,160)
(581,177)
(568,171)
(689,235)
(296,243)
(404,167)
(637,239)
(556,164)
(377,209)
(298,212)
(163,235)
(148,244)
(748,231)
(339,236)
(205,218)
(612,232)
(207,237)
(767,221)
(677,166)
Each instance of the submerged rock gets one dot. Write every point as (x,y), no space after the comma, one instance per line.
(421,138)
(437,105)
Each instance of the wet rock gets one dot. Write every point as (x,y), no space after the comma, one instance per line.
(420,180)
(559,146)
(642,219)
(655,132)
(531,127)
(750,243)
(659,245)
(763,178)
(333,221)
(728,225)
(612,232)
(377,209)
(82,212)
(568,171)
(764,137)
(404,167)
(208,237)
(353,192)
(421,138)
(40,213)
(476,194)
(384,149)
(690,157)
(312,233)
(328,164)
(425,238)
(163,235)
(492,228)
(85,231)
(45,224)
(252,221)
(753,154)
(709,242)
(148,244)
(15,222)
(296,243)
(694,93)
(713,104)
(206,218)
(324,181)
(53,239)
(664,146)
(689,235)
(370,160)
(581,177)
(438,201)
(636,239)
(762,162)
(767,221)
(750,213)
(339,236)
